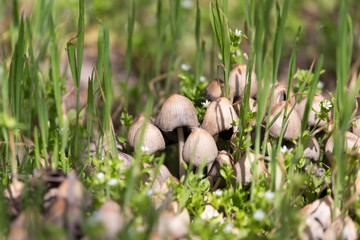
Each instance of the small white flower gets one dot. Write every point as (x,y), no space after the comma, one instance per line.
(113,182)
(149,192)
(206,103)
(218,192)
(269,195)
(228,228)
(144,148)
(238,32)
(284,149)
(202,79)
(186,3)
(185,67)
(320,84)
(259,215)
(100,176)
(246,56)
(326,104)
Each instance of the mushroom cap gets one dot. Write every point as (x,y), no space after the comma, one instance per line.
(109,214)
(213,90)
(280,91)
(312,120)
(138,122)
(351,141)
(153,140)
(223,157)
(356,129)
(218,117)
(198,146)
(292,126)
(342,229)
(242,169)
(177,111)
(321,210)
(312,151)
(237,81)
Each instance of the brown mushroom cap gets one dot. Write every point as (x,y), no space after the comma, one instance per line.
(198,146)
(312,120)
(292,126)
(242,168)
(280,95)
(237,81)
(177,111)
(153,140)
(219,117)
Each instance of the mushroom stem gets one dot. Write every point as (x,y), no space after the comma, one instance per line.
(180,133)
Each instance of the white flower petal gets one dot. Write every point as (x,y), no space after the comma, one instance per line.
(185,67)
(259,215)
(269,195)
(100,176)
(113,182)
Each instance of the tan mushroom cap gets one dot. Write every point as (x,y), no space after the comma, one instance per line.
(320,210)
(177,111)
(312,151)
(242,168)
(213,90)
(356,129)
(109,214)
(312,120)
(292,126)
(138,122)
(351,141)
(219,117)
(280,91)
(237,81)
(342,229)
(153,140)
(198,146)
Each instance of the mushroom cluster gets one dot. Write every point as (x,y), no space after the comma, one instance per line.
(198,143)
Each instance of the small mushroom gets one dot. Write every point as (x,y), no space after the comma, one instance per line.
(200,145)
(312,151)
(320,210)
(214,172)
(242,169)
(351,141)
(292,125)
(109,215)
(219,118)
(172,225)
(341,229)
(214,90)
(237,82)
(280,92)
(177,112)
(312,120)
(152,140)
